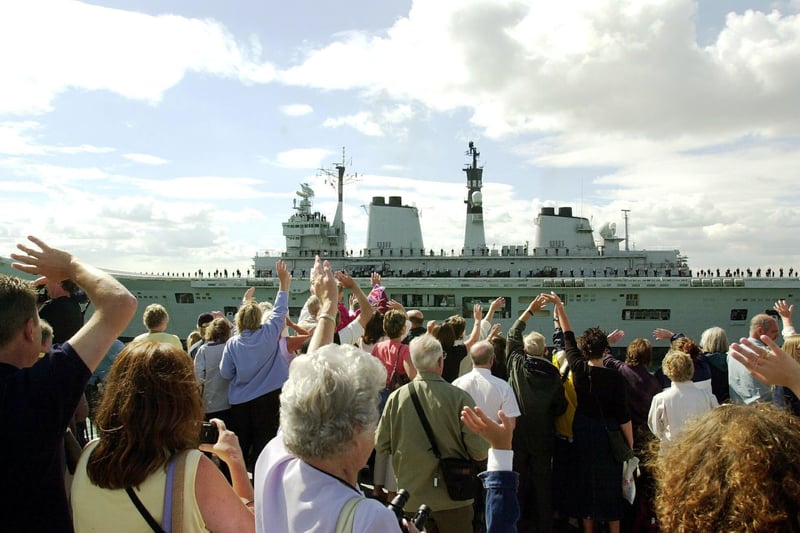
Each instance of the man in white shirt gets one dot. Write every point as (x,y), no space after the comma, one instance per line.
(490,393)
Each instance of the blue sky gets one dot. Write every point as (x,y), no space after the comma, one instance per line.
(172,135)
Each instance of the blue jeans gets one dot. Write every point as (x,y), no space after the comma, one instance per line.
(502,507)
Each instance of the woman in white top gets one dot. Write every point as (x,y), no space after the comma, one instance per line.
(682,401)
(149,415)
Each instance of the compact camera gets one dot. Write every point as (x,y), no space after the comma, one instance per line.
(209,433)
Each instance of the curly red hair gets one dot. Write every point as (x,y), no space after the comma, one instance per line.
(734,469)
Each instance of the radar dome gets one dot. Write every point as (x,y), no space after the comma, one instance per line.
(608,230)
(477,198)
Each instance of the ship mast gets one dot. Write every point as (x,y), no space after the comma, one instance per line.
(474,237)
(337,227)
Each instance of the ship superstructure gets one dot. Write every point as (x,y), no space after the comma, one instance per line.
(600,283)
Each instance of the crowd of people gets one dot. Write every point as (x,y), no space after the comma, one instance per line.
(490,431)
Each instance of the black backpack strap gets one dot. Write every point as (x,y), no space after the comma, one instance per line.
(424,420)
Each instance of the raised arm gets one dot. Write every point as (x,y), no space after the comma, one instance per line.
(477,314)
(496,304)
(324,283)
(514,338)
(114,304)
(363,302)
(558,310)
(785,311)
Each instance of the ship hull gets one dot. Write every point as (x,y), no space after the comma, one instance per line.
(636,305)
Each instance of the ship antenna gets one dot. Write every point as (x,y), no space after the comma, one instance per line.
(626,211)
(337,178)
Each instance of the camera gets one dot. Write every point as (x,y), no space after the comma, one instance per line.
(209,433)
(42,296)
(397,504)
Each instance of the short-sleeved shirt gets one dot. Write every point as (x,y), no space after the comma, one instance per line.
(36,405)
(489,392)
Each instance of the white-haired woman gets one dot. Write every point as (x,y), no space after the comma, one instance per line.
(307,476)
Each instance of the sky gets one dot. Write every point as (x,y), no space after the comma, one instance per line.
(171,135)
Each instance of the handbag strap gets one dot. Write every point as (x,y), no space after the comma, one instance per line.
(143,511)
(396,360)
(176,493)
(173,498)
(347,515)
(424,420)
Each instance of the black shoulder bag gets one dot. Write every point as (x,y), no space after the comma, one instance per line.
(458,474)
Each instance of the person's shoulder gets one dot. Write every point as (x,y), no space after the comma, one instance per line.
(372,515)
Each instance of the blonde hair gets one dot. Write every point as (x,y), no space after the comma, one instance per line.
(792,346)
(678,366)
(248,317)
(154,315)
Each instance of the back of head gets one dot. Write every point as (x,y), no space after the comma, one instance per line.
(534,343)
(687,346)
(593,343)
(459,325)
(425,352)
(248,317)
(330,397)
(751,481)
(393,323)
(151,409)
(17,305)
(762,322)
(154,316)
(416,317)
(193,337)
(373,331)
(792,346)
(445,334)
(219,330)
(482,353)
(678,366)
(639,353)
(714,340)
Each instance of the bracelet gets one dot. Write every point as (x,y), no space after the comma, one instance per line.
(328,316)
(529,312)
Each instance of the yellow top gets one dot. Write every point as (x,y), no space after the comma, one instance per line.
(103,510)
(564,422)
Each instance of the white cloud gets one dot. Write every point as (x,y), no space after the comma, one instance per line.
(21,138)
(89,47)
(145,159)
(297,110)
(303,158)
(362,122)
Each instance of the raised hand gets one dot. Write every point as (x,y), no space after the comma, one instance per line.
(49,263)
(499,436)
(661,334)
(284,276)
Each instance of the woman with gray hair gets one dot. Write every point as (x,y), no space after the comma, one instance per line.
(714,343)
(307,476)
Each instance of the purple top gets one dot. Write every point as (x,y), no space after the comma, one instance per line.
(640,385)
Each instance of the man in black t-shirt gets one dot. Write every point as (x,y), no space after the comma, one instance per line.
(39,395)
(62,310)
